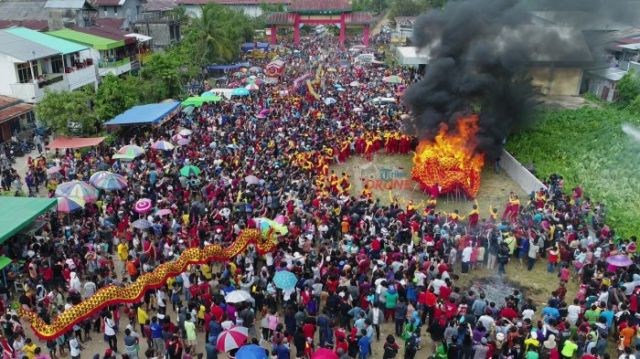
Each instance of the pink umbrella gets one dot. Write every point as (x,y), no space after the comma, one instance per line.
(324,353)
(143,205)
(232,338)
(620,260)
(163,212)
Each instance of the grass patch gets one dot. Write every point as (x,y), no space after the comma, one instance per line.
(588,148)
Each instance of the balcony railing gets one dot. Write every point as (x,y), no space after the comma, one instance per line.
(118,63)
(49,81)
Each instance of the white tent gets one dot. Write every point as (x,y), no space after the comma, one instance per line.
(411,55)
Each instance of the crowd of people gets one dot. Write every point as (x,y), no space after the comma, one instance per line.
(359,263)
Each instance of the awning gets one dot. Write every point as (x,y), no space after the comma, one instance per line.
(139,37)
(145,114)
(19,212)
(75,142)
(4,261)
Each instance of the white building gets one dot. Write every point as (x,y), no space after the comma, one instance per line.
(32,62)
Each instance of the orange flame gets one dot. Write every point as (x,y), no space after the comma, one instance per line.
(450,160)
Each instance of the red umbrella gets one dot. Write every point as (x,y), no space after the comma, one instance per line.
(324,353)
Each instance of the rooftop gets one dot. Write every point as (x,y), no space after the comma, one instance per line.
(109,2)
(58,44)
(610,73)
(354,18)
(38,25)
(94,41)
(22,49)
(159,5)
(11,107)
(319,6)
(23,10)
(68,4)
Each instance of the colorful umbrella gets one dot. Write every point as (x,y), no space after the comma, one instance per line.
(108,181)
(251,351)
(183,141)
(53,170)
(232,338)
(620,260)
(241,91)
(129,152)
(393,79)
(77,189)
(285,280)
(163,212)
(324,353)
(252,87)
(163,146)
(68,205)
(141,224)
(251,179)
(189,170)
(143,205)
(185,132)
(237,296)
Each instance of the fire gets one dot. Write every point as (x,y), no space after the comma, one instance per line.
(450,160)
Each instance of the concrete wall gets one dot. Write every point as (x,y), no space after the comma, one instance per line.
(557,81)
(9,75)
(597,85)
(527,181)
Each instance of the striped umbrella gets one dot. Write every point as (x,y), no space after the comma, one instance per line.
(128,152)
(77,189)
(108,181)
(163,146)
(70,204)
(143,205)
(232,338)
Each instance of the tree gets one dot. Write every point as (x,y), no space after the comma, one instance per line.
(628,88)
(115,95)
(413,7)
(67,112)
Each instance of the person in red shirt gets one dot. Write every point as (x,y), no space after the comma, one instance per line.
(217,312)
(509,313)
(309,330)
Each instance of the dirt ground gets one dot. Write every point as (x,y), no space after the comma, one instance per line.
(396,170)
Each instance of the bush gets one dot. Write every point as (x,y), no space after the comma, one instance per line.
(588,148)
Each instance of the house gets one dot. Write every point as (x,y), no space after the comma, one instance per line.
(404,25)
(602,82)
(160,23)
(15,116)
(32,63)
(128,10)
(63,13)
(252,8)
(31,14)
(113,52)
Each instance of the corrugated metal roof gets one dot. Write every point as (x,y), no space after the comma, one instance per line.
(58,44)
(97,42)
(65,4)
(23,10)
(159,5)
(22,49)
(38,25)
(11,107)
(110,2)
(322,5)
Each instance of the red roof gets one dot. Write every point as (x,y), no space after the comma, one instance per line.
(38,25)
(11,107)
(109,22)
(232,2)
(319,5)
(354,18)
(75,142)
(105,31)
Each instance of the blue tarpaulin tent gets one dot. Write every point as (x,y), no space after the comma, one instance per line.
(254,45)
(145,114)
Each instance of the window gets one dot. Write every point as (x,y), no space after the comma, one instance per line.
(105,11)
(56,65)
(115,10)
(24,73)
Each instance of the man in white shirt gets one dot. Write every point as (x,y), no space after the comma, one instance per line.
(466,258)
(74,346)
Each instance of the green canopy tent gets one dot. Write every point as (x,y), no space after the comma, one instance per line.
(4,262)
(20,212)
(199,100)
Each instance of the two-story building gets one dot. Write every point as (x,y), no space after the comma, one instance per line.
(112,56)
(32,62)
(128,10)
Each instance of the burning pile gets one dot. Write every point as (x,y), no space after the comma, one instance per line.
(450,161)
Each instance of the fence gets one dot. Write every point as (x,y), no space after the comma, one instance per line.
(527,181)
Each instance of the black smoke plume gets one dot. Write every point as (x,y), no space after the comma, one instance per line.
(481,53)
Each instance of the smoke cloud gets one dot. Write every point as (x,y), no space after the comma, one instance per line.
(481,53)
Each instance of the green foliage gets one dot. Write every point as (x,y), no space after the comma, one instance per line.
(588,148)
(271,8)
(67,112)
(413,7)
(628,88)
(115,95)
(369,5)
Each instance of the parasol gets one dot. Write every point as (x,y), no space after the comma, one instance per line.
(619,260)
(189,170)
(232,338)
(141,224)
(285,280)
(128,152)
(77,189)
(108,181)
(143,205)
(69,204)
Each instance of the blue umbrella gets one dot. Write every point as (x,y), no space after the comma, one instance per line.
(240,91)
(285,280)
(251,351)
(142,224)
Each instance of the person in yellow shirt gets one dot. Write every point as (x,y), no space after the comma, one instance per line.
(142,317)
(123,250)
(29,349)
(206,271)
